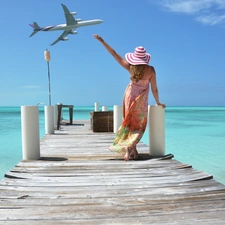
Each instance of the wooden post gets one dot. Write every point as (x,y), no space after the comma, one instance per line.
(117,117)
(71,114)
(156,131)
(30,132)
(104,108)
(59,115)
(49,119)
(55,116)
(96,106)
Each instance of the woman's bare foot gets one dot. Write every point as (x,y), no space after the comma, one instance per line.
(127,154)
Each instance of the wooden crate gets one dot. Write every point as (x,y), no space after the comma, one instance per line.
(101,121)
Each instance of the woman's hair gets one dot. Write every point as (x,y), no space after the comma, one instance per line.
(136,72)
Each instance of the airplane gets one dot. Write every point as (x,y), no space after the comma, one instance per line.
(69,27)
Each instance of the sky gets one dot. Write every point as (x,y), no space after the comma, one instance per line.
(186,40)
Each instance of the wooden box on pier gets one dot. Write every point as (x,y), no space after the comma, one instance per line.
(101,121)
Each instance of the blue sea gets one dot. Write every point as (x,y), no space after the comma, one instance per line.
(194,135)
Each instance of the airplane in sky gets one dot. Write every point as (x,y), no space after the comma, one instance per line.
(68,28)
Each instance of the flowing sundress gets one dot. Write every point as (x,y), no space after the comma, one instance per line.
(135,110)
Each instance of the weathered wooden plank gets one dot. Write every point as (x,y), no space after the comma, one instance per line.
(123,178)
(35,201)
(117,191)
(108,212)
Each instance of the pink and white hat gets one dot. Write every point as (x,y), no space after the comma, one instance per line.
(139,57)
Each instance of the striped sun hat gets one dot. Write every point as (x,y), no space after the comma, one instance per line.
(138,57)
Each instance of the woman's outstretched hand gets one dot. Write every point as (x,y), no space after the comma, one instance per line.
(98,37)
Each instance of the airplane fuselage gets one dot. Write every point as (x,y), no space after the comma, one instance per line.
(68,28)
(71,27)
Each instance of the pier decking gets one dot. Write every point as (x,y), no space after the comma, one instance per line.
(78,181)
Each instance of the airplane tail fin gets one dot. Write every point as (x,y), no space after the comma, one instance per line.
(35,27)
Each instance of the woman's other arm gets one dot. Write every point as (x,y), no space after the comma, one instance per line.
(118,58)
(155,89)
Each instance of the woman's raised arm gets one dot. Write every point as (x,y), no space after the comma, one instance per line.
(118,58)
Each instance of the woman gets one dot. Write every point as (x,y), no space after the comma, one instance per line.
(135,102)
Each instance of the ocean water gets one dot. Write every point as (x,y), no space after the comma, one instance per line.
(194,135)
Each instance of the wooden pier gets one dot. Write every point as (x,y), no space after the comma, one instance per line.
(79,181)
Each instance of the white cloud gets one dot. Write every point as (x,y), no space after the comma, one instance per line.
(211,19)
(208,12)
(188,7)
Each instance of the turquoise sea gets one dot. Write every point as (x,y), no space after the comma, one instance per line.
(194,135)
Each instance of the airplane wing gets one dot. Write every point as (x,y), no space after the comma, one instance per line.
(69,18)
(61,37)
(56,41)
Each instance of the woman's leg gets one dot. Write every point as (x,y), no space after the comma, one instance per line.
(135,152)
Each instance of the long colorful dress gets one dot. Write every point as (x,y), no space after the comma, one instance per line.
(135,110)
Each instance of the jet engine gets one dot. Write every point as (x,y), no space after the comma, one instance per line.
(73,13)
(65,39)
(73,32)
(79,19)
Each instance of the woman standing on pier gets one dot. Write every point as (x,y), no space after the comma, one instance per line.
(135,102)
